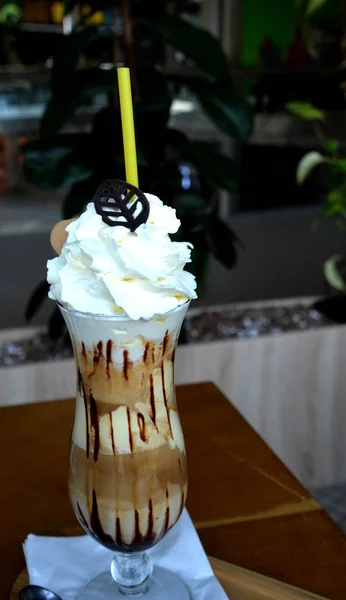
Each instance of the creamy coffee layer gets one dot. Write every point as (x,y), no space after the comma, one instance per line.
(127,477)
(126,407)
(129,501)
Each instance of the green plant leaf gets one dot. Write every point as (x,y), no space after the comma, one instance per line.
(199,260)
(79,195)
(332,271)
(107,138)
(340,164)
(341,223)
(307,165)
(39,295)
(59,110)
(313,6)
(10,12)
(95,80)
(70,4)
(66,58)
(74,203)
(332,146)
(221,240)
(197,45)
(166,182)
(328,16)
(215,167)
(56,324)
(152,114)
(190,205)
(57,164)
(225,106)
(175,138)
(300,7)
(306,111)
(62,105)
(154,90)
(335,201)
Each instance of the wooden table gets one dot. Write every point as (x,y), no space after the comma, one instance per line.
(248,508)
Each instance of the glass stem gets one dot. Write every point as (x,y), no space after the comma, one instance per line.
(131,572)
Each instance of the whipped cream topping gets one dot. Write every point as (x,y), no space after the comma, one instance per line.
(109,270)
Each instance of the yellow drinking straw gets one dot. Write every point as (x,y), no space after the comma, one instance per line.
(126,109)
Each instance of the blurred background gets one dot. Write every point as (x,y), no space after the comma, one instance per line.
(275,56)
(241,126)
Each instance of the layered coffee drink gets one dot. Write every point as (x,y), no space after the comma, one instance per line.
(127,472)
(122,288)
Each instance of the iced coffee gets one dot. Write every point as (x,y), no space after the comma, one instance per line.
(124,294)
(127,472)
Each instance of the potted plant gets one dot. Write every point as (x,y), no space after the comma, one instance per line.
(333,160)
(82,160)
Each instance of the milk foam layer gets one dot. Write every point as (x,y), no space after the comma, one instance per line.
(108,270)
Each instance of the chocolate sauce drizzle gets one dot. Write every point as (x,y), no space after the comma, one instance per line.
(165,343)
(165,526)
(96,525)
(141,426)
(150,520)
(145,354)
(138,536)
(118,536)
(144,540)
(126,364)
(182,502)
(152,400)
(82,517)
(109,347)
(94,423)
(81,389)
(180,469)
(79,381)
(165,398)
(130,430)
(83,350)
(112,433)
(98,354)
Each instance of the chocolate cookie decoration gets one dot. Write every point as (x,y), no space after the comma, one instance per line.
(117,201)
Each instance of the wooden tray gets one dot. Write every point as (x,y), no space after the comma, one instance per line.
(238,583)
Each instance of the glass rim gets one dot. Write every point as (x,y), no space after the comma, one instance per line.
(118,317)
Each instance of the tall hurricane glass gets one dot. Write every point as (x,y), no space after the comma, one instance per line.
(127,470)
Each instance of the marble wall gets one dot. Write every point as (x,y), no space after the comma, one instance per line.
(291,388)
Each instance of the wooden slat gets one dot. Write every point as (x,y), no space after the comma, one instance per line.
(241,584)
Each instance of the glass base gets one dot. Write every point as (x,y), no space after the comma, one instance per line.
(162,585)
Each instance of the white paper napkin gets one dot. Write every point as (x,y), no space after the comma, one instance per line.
(65,564)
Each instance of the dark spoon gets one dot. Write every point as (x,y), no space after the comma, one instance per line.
(35,592)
